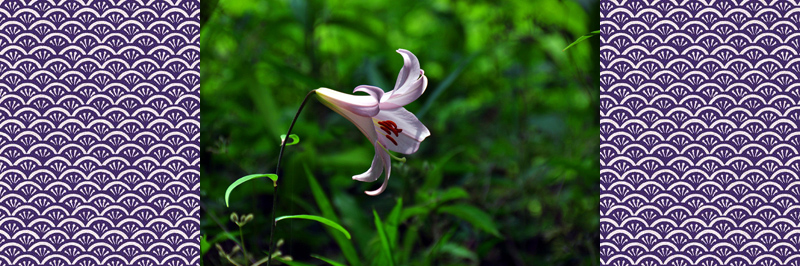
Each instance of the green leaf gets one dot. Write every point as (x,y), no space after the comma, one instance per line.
(384,239)
(413,211)
(239,181)
(204,245)
(324,204)
(583,38)
(474,216)
(294,137)
(458,251)
(318,219)
(393,221)
(329,261)
(452,194)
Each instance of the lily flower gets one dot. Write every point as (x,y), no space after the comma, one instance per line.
(382,119)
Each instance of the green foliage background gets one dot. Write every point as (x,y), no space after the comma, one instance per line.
(514,122)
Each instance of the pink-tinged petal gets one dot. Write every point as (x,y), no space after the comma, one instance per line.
(375,170)
(406,136)
(387,165)
(362,105)
(365,124)
(410,71)
(371,90)
(397,99)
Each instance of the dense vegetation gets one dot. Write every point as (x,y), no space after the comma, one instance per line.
(509,175)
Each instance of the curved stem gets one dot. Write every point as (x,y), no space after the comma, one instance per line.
(277,171)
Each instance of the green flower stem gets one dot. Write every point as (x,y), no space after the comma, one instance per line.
(277,171)
(241,238)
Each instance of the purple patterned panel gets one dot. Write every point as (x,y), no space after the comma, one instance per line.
(99,120)
(699,133)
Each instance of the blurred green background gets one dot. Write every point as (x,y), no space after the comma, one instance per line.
(509,175)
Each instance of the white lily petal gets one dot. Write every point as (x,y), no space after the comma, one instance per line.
(364,124)
(409,73)
(362,105)
(408,139)
(397,100)
(371,90)
(387,165)
(375,170)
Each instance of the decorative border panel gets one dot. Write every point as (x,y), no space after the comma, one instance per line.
(700,109)
(99,133)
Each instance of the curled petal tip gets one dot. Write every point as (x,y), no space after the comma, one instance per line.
(387,166)
(379,190)
(369,176)
(371,90)
(375,192)
(412,57)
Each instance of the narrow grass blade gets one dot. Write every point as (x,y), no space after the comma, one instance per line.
(583,38)
(329,261)
(384,239)
(393,222)
(318,219)
(243,179)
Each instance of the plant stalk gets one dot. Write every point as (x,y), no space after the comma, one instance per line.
(277,171)
(241,238)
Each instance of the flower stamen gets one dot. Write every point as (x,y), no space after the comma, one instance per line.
(385,129)
(389,125)
(392,139)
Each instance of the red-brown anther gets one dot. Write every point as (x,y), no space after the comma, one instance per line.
(390,138)
(390,127)
(386,129)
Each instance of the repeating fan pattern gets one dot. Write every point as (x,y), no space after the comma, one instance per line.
(99,133)
(700,107)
